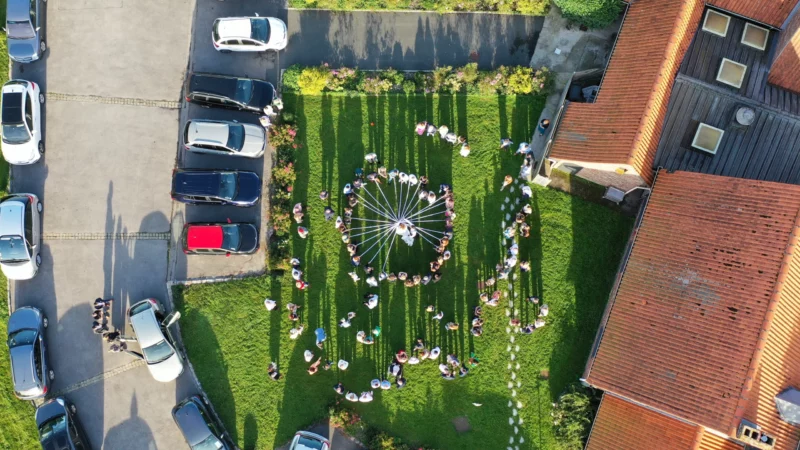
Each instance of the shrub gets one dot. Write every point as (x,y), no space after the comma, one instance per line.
(520,81)
(572,416)
(382,441)
(284,176)
(287,117)
(375,86)
(290,77)
(470,73)
(532,7)
(281,220)
(313,80)
(342,79)
(543,80)
(285,155)
(440,75)
(424,82)
(393,76)
(282,136)
(592,13)
(409,87)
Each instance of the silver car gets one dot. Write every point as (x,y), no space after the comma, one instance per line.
(20,236)
(158,345)
(26,346)
(24,26)
(225,138)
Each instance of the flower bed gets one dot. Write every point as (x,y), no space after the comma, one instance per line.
(517,80)
(528,7)
(282,140)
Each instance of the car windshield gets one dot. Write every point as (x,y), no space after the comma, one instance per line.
(157,352)
(20,30)
(230,237)
(12,249)
(244,90)
(260,29)
(215,30)
(21,338)
(227,186)
(305,442)
(209,443)
(235,137)
(15,134)
(54,426)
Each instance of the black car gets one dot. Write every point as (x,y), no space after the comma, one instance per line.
(59,427)
(216,187)
(199,427)
(229,92)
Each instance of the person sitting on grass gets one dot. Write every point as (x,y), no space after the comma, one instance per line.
(421,128)
(294,333)
(371,158)
(382,172)
(438,316)
(452,326)
(401,356)
(431,130)
(351,396)
(505,143)
(339,388)
(419,345)
(315,367)
(395,369)
(372,300)
(354,276)
(386,384)
(272,371)
(401,382)
(435,353)
(329,213)
(443,130)
(525,230)
(375,384)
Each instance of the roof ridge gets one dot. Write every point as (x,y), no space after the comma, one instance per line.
(755,362)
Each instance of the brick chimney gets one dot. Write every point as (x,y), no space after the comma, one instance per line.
(785,70)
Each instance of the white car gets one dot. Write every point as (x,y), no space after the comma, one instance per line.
(152,332)
(22,122)
(249,34)
(20,236)
(225,138)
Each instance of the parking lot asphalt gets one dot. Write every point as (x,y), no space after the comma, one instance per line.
(112,76)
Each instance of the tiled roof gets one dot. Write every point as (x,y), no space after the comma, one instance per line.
(770,12)
(710,441)
(786,65)
(624,125)
(696,298)
(621,425)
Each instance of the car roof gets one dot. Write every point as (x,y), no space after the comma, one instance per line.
(207,131)
(234,27)
(23,373)
(12,216)
(191,422)
(204,236)
(148,330)
(197,182)
(18,11)
(12,107)
(213,84)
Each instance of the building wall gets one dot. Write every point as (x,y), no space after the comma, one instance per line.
(785,70)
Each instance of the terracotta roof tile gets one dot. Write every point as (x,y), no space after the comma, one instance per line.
(770,12)
(692,305)
(622,425)
(624,125)
(786,64)
(710,441)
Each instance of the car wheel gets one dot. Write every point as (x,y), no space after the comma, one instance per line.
(224,51)
(44,322)
(41,147)
(38,260)
(42,46)
(51,374)
(39,207)
(41,98)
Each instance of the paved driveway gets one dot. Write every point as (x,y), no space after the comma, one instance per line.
(112,76)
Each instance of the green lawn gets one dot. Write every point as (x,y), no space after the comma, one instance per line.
(575,248)
(17,428)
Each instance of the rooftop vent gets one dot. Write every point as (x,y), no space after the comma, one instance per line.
(788,403)
(732,73)
(716,23)
(751,435)
(745,116)
(755,36)
(707,138)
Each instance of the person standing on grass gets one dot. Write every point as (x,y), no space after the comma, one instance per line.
(315,367)
(420,128)
(443,130)
(302,232)
(272,371)
(329,213)
(372,301)
(294,333)
(431,130)
(505,143)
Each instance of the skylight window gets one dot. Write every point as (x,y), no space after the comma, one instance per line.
(732,73)
(707,138)
(755,36)
(716,23)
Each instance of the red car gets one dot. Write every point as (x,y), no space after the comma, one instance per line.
(219,238)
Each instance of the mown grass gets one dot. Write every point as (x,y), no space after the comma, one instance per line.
(17,427)
(574,248)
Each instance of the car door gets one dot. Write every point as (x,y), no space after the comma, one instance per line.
(29,116)
(75,435)
(30,242)
(38,359)
(37,115)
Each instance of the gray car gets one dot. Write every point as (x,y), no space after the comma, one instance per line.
(25,29)
(26,345)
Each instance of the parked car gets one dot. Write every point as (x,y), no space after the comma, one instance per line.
(216,187)
(152,332)
(30,370)
(219,238)
(225,138)
(200,428)
(229,92)
(22,122)
(249,34)
(59,427)
(24,23)
(306,440)
(20,236)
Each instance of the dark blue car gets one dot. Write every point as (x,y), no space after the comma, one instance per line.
(216,187)
(59,427)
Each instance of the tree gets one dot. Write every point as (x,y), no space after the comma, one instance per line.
(592,13)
